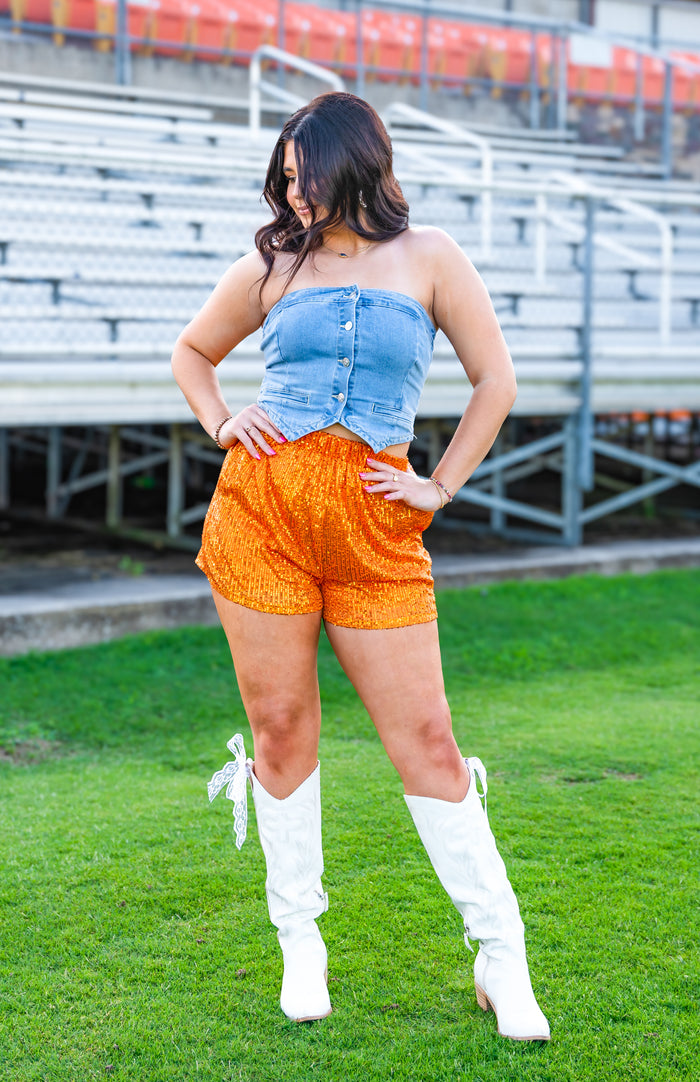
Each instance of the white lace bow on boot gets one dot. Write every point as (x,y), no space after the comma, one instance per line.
(462,849)
(290,835)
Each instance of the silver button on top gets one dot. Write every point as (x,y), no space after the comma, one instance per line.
(345,361)
(348,325)
(341,397)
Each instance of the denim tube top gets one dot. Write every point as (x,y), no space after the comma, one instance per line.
(341,354)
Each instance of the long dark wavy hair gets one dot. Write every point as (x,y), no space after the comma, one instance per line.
(345,172)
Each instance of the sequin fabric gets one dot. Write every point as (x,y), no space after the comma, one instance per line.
(297,533)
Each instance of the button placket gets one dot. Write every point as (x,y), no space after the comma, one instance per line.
(346,349)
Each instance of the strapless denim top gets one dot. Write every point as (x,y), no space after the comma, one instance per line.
(349,355)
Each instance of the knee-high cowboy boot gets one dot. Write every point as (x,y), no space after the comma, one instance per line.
(462,849)
(290,835)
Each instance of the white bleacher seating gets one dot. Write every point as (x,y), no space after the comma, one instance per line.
(117,221)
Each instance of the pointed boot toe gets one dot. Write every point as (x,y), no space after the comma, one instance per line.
(505,988)
(304,996)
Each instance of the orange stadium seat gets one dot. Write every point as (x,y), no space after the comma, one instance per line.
(51,12)
(543,48)
(344,29)
(686,83)
(654,72)
(330,35)
(176,22)
(507,58)
(447,50)
(297,31)
(456,51)
(31,11)
(211,28)
(623,85)
(591,83)
(391,41)
(147,20)
(243,27)
(475,41)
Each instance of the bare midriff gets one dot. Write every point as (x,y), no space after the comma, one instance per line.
(398,450)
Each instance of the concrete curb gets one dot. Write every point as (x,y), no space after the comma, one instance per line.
(81,614)
(616,558)
(84,613)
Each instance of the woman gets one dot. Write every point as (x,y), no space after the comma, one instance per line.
(317,515)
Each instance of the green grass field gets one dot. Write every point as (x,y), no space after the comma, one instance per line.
(135,942)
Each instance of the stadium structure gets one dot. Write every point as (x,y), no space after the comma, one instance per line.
(562,156)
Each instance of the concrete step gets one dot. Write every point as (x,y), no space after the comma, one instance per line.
(77,613)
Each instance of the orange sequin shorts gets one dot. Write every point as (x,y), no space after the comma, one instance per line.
(297,532)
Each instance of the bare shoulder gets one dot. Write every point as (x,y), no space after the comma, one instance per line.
(430,242)
(443,263)
(245,272)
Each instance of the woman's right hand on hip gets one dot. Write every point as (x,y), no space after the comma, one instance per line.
(250,427)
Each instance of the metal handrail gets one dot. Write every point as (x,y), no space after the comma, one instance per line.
(665,262)
(543,215)
(400,110)
(258,84)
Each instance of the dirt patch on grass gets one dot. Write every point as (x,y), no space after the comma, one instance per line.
(622,776)
(590,778)
(29,752)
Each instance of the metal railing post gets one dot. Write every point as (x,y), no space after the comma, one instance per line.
(122,53)
(54,464)
(176,481)
(360,80)
(585,422)
(667,128)
(562,79)
(115,494)
(4,469)
(281,70)
(498,487)
(571,498)
(553,67)
(254,96)
(534,87)
(424,58)
(639,100)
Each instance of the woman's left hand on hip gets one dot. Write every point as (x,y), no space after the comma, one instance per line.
(393,484)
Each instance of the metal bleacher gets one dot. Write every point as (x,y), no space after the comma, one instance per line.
(117,219)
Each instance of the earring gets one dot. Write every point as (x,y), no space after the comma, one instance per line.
(362,202)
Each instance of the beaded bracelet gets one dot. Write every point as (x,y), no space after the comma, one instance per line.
(442,489)
(218,429)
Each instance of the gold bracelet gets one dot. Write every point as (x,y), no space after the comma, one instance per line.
(444,488)
(441,494)
(218,429)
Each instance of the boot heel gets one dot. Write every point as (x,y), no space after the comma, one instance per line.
(482,999)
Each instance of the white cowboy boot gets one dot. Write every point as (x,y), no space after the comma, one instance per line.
(463,852)
(290,835)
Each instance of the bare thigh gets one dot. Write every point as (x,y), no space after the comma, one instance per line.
(275,659)
(398,675)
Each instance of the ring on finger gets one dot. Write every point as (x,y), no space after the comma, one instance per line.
(395,477)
